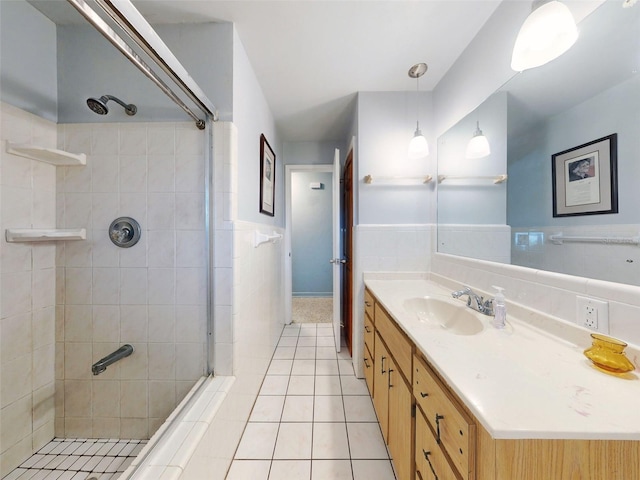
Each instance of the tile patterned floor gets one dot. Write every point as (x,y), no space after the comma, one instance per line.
(313,419)
(79,459)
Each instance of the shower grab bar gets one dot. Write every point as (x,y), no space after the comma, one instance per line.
(92,17)
(102,364)
(560,238)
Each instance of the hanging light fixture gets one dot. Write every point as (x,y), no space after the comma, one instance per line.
(478,146)
(418,147)
(548,32)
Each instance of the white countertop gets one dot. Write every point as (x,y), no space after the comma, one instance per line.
(522,382)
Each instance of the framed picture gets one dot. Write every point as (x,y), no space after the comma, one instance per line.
(267,177)
(585,179)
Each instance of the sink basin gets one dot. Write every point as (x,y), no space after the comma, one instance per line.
(456,319)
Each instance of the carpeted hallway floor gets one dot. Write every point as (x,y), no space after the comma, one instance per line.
(312,310)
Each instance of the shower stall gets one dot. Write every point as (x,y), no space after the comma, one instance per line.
(98,341)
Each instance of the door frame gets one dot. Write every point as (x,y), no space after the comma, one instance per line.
(288,264)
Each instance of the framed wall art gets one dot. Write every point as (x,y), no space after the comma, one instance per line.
(585,179)
(267,177)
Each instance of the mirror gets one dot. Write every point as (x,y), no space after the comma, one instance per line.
(591,92)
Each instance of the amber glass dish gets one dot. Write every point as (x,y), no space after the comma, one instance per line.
(608,354)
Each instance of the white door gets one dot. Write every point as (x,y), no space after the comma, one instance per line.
(337,260)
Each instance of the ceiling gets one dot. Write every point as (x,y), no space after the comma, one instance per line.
(312,56)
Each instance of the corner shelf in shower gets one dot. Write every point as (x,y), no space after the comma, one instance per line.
(19,235)
(47,155)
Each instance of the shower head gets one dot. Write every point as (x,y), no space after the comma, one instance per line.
(99,105)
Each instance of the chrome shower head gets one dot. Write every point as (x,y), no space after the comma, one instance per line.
(99,105)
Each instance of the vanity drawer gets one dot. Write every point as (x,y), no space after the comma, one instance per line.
(399,345)
(431,463)
(368,304)
(368,368)
(451,424)
(368,333)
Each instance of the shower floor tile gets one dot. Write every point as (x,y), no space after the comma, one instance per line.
(79,459)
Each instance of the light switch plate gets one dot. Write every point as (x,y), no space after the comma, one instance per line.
(592,314)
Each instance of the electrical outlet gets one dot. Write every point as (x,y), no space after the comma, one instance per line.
(593,314)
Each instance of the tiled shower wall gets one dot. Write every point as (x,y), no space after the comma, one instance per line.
(152,295)
(27,300)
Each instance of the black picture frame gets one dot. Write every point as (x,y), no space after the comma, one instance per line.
(267,177)
(585,178)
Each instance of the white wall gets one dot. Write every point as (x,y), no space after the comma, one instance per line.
(28,55)
(252,117)
(386,123)
(312,153)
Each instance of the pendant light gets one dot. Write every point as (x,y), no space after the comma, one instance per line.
(478,146)
(548,32)
(418,147)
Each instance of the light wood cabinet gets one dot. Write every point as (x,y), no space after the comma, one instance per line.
(388,378)
(442,440)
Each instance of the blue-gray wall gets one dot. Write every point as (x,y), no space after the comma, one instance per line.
(616,110)
(311,242)
(28,69)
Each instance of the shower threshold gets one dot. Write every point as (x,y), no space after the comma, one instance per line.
(79,459)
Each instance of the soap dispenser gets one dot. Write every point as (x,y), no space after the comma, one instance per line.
(499,309)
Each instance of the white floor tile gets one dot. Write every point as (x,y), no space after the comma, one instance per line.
(267,408)
(307,333)
(301,385)
(290,470)
(328,353)
(345,366)
(344,353)
(325,332)
(294,441)
(288,342)
(280,367)
(359,408)
(284,353)
(366,442)
(353,386)
(327,367)
(328,385)
(274,385)
(258,441)
(305,353)
(325,342)
(330,441)
(307,342)
(304,367)
(331,470)
(298,408)
(328,408)
(372,470)
(245,469)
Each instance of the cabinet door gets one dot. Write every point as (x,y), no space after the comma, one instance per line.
(381,385)
(431,463)
(400,423)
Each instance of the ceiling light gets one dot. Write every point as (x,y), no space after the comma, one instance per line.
(418,147)
(547,33)
(478,146)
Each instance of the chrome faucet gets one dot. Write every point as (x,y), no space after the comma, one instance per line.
(475,301)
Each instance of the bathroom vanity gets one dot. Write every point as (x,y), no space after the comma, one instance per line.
(458,399)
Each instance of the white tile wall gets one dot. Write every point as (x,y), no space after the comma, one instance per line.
(27,292)
(151,295)
(485,242)
(392,248)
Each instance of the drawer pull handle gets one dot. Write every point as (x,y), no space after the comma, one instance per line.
(426,457)
(389,381)
(367,303)
(424,394)
(366,329)
(366,364)
(438,418)
(419,475)
(382,370)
